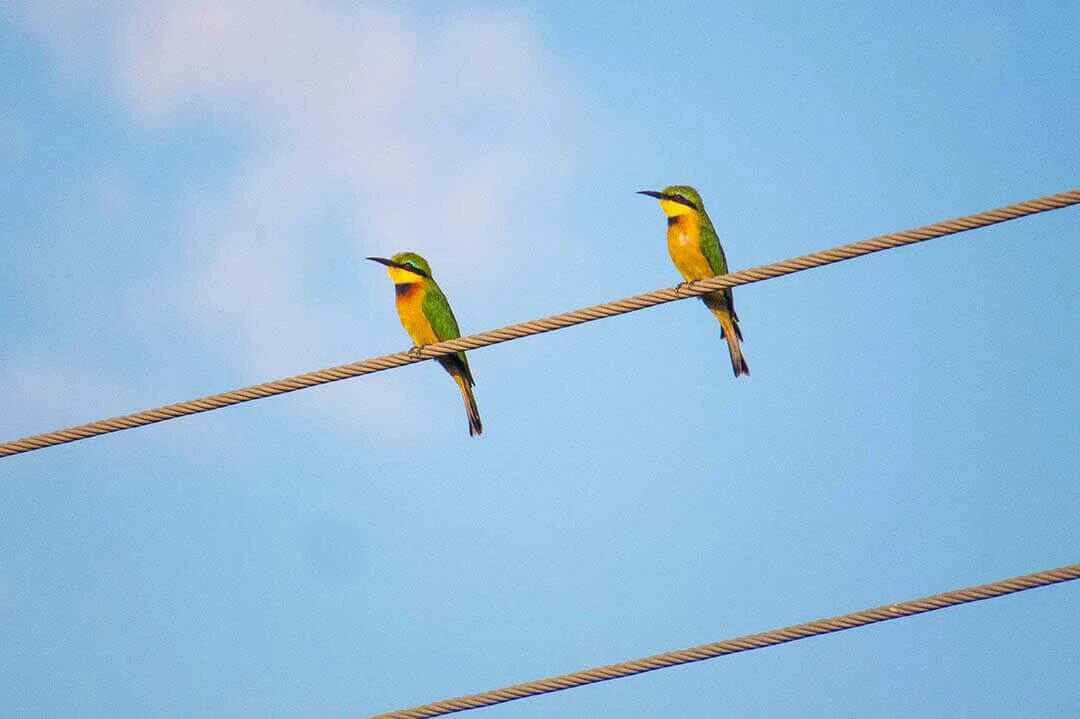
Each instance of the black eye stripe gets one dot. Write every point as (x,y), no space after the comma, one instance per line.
(411,266)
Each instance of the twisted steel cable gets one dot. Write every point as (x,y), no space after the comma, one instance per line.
(548,324)
(741,644)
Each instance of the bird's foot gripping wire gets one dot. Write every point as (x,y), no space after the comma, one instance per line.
(417,352)
(683,286)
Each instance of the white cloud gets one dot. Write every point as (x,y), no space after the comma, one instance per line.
(424,133)
(285,59)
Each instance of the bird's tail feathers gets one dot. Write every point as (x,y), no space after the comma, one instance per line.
(471,410)
(731,332)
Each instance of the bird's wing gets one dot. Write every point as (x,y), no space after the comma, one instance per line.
(714,253)
(441,318)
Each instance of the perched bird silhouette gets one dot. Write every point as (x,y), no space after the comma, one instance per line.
(426,316)
(695,249)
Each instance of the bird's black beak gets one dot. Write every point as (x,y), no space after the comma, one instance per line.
(669,198)
(398,265)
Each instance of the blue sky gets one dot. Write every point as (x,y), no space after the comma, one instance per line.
(188,196)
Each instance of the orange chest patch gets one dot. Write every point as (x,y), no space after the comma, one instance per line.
(410,308)
(684,246)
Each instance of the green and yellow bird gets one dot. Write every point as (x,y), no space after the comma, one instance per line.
(426,316)
(695,249)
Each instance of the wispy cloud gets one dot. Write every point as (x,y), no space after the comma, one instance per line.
(421,132)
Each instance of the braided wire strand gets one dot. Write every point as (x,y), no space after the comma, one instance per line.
(547,324)
(741,644)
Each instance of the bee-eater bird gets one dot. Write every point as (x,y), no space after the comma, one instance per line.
(695,249)
(426,316)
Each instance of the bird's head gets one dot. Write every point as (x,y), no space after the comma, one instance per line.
(405,268)
(677,200)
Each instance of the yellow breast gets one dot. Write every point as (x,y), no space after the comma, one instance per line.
(410,308)
(684,246)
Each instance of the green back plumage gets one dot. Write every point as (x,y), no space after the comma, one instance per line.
(711,247)
(438,313)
